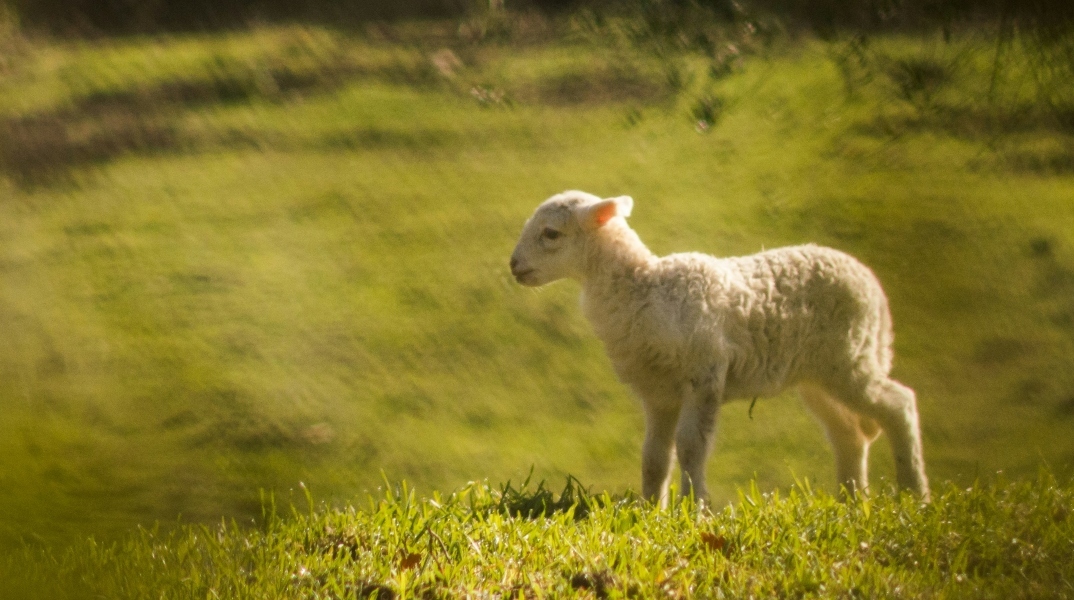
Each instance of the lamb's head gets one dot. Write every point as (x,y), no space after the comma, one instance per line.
(552,244)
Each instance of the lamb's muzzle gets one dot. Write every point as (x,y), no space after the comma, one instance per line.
(518,271)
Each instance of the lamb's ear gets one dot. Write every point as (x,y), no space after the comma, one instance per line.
(596,215)
(625,204)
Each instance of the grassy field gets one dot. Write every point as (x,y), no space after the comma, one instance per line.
(996,539)
(234,263)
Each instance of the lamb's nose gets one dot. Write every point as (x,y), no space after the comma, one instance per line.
(514,264)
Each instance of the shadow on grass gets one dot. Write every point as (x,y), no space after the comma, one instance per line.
(42,148)
(975,122)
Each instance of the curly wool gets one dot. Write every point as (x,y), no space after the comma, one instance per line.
(777,318)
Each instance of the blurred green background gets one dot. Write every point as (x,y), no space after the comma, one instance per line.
(242,249)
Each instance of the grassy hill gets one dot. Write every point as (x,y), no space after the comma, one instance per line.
(230,263)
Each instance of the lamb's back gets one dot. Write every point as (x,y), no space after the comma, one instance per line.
(774,317)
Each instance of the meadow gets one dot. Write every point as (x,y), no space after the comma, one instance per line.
(232,263)
(995,539)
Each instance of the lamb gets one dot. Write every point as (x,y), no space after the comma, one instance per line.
(689,331)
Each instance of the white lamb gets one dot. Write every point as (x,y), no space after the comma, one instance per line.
(689,331)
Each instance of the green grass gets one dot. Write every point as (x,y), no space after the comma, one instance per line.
(233,263)
(997,539)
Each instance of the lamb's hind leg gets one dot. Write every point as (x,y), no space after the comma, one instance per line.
(894,406)
(849,434)
(899,419)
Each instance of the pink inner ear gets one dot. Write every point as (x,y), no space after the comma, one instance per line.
(603,213)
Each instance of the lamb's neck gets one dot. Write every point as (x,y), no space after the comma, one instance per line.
(615,258)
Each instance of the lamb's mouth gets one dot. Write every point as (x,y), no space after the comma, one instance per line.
(520,276)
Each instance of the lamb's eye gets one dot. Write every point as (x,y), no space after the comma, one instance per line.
(550,233)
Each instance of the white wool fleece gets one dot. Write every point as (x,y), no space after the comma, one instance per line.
(689,331)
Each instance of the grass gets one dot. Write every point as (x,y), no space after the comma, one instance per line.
(233,263)
(995,539)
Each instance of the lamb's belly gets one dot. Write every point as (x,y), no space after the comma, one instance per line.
(757,385)
(760,380)
(764,363)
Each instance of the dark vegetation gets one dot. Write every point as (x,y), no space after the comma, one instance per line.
(95,17)
(1049,18)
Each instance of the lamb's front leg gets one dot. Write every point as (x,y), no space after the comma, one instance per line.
(656,452)
(695,436)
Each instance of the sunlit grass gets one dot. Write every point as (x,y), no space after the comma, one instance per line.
(995,539)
